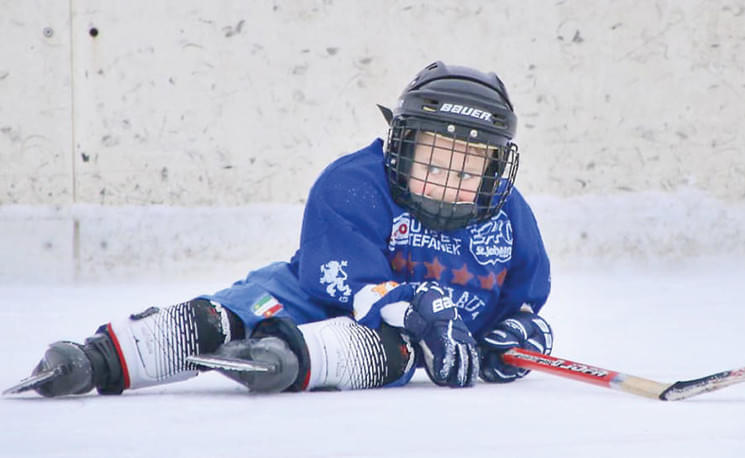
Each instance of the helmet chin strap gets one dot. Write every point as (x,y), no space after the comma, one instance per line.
(442,216)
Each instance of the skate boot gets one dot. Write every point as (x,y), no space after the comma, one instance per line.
(263,365)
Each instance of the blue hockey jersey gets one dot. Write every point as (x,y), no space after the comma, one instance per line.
(357,244)
(361,255)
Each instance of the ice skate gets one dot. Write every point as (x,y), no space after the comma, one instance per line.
(71,368)
(263,365)
(64,369)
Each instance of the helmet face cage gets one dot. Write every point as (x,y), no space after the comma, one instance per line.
(448,175)
(449,156)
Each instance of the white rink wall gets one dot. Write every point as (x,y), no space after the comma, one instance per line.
(99,243)
(171,137)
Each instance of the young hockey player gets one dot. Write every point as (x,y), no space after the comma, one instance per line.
(416,251)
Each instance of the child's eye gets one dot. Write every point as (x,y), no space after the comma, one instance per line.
(466,176)
(434,170)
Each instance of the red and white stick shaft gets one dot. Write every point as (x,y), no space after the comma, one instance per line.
(584,373)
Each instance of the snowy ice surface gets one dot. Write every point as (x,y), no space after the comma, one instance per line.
(665,323)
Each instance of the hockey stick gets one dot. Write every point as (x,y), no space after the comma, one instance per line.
(617,381)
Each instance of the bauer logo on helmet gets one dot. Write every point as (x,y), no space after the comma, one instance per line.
(466,111)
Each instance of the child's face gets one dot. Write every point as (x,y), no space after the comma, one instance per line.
(446,169)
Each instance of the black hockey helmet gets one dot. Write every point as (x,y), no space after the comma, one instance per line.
(460,112)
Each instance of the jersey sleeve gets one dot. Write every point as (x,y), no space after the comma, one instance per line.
(342,259)
(528,280)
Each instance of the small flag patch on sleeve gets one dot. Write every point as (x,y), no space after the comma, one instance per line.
(267,306)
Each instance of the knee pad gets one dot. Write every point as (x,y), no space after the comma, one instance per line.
(400,355)
(347,355)
(153,345)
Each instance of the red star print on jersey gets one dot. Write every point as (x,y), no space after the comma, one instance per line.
(462,276)
(398,262)
(411,264)
(434,269)
(488,281)
(500,277)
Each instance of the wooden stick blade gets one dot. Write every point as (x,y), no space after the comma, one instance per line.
(689,388)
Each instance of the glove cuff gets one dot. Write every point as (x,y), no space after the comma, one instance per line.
(415,324)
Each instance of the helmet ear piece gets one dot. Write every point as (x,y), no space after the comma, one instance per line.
(399,154)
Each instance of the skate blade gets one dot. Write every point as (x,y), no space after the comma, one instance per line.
(231,364)
(29,383)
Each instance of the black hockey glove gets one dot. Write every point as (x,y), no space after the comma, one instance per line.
(449,350)
(525,330)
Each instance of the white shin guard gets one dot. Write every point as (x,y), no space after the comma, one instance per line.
(346,355)
(153,345)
